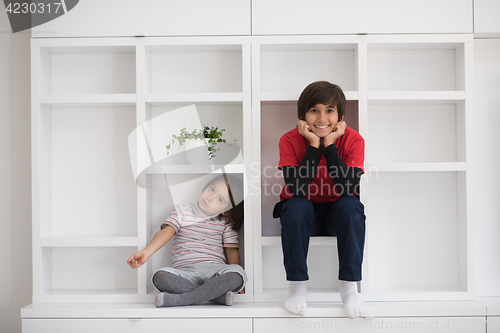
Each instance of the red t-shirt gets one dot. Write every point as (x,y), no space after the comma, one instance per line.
(293,145)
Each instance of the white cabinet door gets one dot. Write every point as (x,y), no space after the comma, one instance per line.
(493,324)
(361,16)
(416,324)
(417,16)
(486,17)
(95,18)
(288,17)
(212,325)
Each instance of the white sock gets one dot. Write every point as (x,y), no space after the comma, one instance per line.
(296,302)
(353,304)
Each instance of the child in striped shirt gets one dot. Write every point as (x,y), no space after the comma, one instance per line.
(205,239)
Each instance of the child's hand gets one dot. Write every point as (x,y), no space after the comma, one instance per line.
(306,132)
(337,132)
(242,291)
(138,259)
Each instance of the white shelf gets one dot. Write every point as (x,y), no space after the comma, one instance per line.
(86,296)
(195,169)
(294,96)
(416,96)
(416,167)
(88,241)
(314,241)
(252,310)
(89,100)
(492,304)
(69,292)
(193,97)
(78,45)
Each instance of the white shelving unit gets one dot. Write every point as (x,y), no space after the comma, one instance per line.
(410,97)
(88,96)
(423,191)
(84,213)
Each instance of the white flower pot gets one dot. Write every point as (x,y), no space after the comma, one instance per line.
(197,152)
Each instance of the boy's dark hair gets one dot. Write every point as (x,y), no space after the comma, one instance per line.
(321,92)
(234,215)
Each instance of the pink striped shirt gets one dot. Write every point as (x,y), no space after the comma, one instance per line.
(198,238)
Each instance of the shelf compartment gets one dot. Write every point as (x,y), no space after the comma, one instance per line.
(181,189)
(165,123)
(410,235)
(195,68)
(323,273)
(162,205)
(277,118)
(87,186)
(416,133)
(291,67)
(416,67)
(88,241)
(87,70)
(98,270)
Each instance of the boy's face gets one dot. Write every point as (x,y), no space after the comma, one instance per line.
(214,199)
(322,119)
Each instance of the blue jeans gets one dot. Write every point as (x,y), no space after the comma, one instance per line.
(301,219)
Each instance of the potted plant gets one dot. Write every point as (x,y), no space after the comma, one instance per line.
(208,136)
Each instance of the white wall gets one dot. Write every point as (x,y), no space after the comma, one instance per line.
(487,160)
(15,176)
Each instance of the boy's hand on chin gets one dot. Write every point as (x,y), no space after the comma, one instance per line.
(337,132)
(306,132)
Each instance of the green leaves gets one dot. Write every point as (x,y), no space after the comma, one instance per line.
(212,135)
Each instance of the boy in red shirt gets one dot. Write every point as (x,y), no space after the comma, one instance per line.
(322,162)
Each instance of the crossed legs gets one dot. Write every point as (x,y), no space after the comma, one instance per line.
(176,290)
